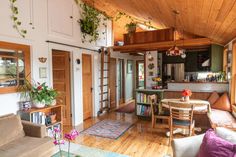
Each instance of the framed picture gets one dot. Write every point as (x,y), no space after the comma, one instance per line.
(42,72)
(129,66)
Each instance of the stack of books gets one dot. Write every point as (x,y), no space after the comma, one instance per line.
(144,110)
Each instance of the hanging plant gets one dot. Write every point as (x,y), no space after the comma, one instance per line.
(131,27)
(15,19)
(90,21)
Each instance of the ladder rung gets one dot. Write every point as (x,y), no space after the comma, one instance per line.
(104,78)
(107,62)
(105,70)
(104,85)
(104,100)
(103,93)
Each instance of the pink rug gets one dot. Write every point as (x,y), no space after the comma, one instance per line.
(108,129)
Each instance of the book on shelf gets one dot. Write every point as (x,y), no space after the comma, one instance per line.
(38,118)
(144,110)
(142,98)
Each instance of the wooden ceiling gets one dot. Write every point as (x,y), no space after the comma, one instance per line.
(215,19)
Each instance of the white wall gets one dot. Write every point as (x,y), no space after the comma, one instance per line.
(51,19)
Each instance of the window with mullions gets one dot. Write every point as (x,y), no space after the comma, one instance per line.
(14,66)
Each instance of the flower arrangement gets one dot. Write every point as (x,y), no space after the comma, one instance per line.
(187,92)
(59,141)
(158,83)
(43,94)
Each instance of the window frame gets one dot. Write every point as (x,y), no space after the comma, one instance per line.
(26,50)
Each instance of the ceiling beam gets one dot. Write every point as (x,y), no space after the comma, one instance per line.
(188,43)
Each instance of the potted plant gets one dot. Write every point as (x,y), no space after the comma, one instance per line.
(131,27)
(42,95)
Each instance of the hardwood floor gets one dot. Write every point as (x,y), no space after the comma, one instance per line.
(139,141)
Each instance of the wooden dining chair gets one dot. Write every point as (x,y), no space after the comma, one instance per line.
(157,115)
(181,116)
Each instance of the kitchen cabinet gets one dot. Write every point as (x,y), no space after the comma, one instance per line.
(191,62)
(217,58)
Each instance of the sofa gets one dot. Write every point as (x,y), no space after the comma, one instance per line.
(23,139)
(190,146)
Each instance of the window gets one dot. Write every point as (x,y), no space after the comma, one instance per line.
(14,66)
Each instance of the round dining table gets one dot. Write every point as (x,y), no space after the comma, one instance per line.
(199,105)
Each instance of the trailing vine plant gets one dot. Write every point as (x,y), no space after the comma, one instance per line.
(90,21)
(16,20)
(134,20)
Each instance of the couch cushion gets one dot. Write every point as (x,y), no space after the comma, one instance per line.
(213,98)
(226,134)
(10,129)
(214,146)
(234,110)
(222,103)
(219,118)
(27,147)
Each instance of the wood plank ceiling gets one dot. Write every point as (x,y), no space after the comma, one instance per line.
(215,19)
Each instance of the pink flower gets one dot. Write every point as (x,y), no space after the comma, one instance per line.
(72,135)
(58,142)
(57,130)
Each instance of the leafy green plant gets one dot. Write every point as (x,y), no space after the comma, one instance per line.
(16,21)
(90,21)
(131,27)
(42,93)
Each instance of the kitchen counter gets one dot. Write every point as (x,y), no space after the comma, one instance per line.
(199,86)
(202,82)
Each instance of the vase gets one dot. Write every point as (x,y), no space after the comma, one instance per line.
(186,98)
(39,104)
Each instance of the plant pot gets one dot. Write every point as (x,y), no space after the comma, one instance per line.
(131,29)
(186,98)
(53,118)
(53,103)
(39,104)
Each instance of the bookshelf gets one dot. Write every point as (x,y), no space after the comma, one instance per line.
(143,106)
(50,116)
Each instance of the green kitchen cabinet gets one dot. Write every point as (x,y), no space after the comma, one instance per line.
(216,58)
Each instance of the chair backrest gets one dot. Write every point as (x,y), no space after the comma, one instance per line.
(181,111)
(153,101)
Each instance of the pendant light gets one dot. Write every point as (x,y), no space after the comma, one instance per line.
(174,50)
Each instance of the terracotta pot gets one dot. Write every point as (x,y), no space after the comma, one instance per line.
(53,118)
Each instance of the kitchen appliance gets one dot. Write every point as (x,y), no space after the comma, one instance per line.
(174,72)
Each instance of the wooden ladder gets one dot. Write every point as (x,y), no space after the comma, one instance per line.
(104,81)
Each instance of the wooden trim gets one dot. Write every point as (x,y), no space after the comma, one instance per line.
(188,43)
(137,74)
(26,50)
(233,79)
(145,69)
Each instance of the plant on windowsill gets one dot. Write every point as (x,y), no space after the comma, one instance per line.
(42,95)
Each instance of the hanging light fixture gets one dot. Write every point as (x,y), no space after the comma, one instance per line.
(174,50)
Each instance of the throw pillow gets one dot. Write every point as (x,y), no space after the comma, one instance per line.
(234,111)
(228,135)
(214,146)
(213,98)
(222,103)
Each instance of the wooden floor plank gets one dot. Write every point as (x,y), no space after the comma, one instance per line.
(139,141)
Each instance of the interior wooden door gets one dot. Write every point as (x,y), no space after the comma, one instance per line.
(61,82)
(112,81)
(87,85)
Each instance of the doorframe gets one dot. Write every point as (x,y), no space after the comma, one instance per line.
(137,74)
(123,80)
(50,76)
(110,73)
(93,80)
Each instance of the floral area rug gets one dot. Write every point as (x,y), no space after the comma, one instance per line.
(108,129)
(77,150)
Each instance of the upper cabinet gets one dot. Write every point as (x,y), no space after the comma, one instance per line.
(217,58)
(60,17)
